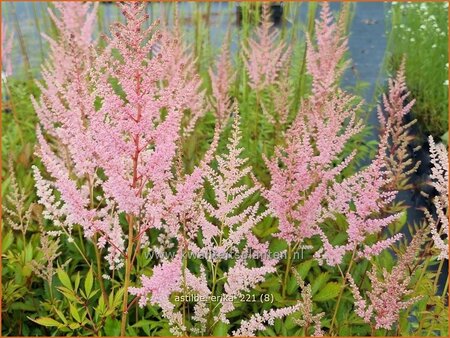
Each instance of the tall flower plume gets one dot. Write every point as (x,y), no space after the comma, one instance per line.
(265,56)
(119,119)
(306,184)
(399,163)
(439,180)
(325,58)
(387,297)
(221,81)
(216,231)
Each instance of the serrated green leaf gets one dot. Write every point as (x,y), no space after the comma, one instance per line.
(46,321)
(64,279)
(77,281)
(318,282)
(88,283)
(74,313)
(329,291)
(220,329)
(304,267)
(112,327)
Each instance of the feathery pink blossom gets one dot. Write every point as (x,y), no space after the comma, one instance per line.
(439,180)
(265,56)
(387,297)
(117,119)
(399,163)
(221,81)
(324,60)
(225,229)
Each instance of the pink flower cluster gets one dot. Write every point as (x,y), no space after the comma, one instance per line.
(265,56)
(117,125)
(306,188)
(388,293)
(439,180)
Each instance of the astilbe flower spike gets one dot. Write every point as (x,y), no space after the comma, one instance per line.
(171,45)
(325,59)
(306,309)
(225,228)
(221,81)
(64,99)
(7,44)
(121,144)
(265,56)
(387,296)
(439,180)
(399,163)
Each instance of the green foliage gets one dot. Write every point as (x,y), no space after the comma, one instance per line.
(419,31)
(77,301)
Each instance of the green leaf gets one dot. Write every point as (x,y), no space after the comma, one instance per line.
(60,315)
(304,267)
(74,326)
(112,327)
(319,282)
(7,240)
(330,291)
(64,279)
(220,330)
(46,321)
(77,281)
(88,283)
(74,313)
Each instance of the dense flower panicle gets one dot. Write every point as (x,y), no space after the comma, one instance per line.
(361,198)
(7,44)
(119,120)
(65,100)
(439,180)
(76,19)
(324,61)
(302,170)
(305,186)
(258,322)
(171,46)
(400,165)
(308,319)
(265,56)
(226,235)
(221,81)
(387,297)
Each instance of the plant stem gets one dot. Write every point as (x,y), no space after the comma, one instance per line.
(286,272)
(344,279)
(127,277)
(438,273)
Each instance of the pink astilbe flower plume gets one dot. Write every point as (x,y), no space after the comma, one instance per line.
(400,165)
(387,296)
(64,99)
(7,44)
(171,46)
(306,184)
(439,180)
(216,231)
(265,56)
(304,168)
(119,118)
(325,58)
(221,81)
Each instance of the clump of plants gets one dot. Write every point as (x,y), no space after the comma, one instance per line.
(148,217)
(419,31)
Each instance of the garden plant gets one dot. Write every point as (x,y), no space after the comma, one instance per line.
(155,185)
